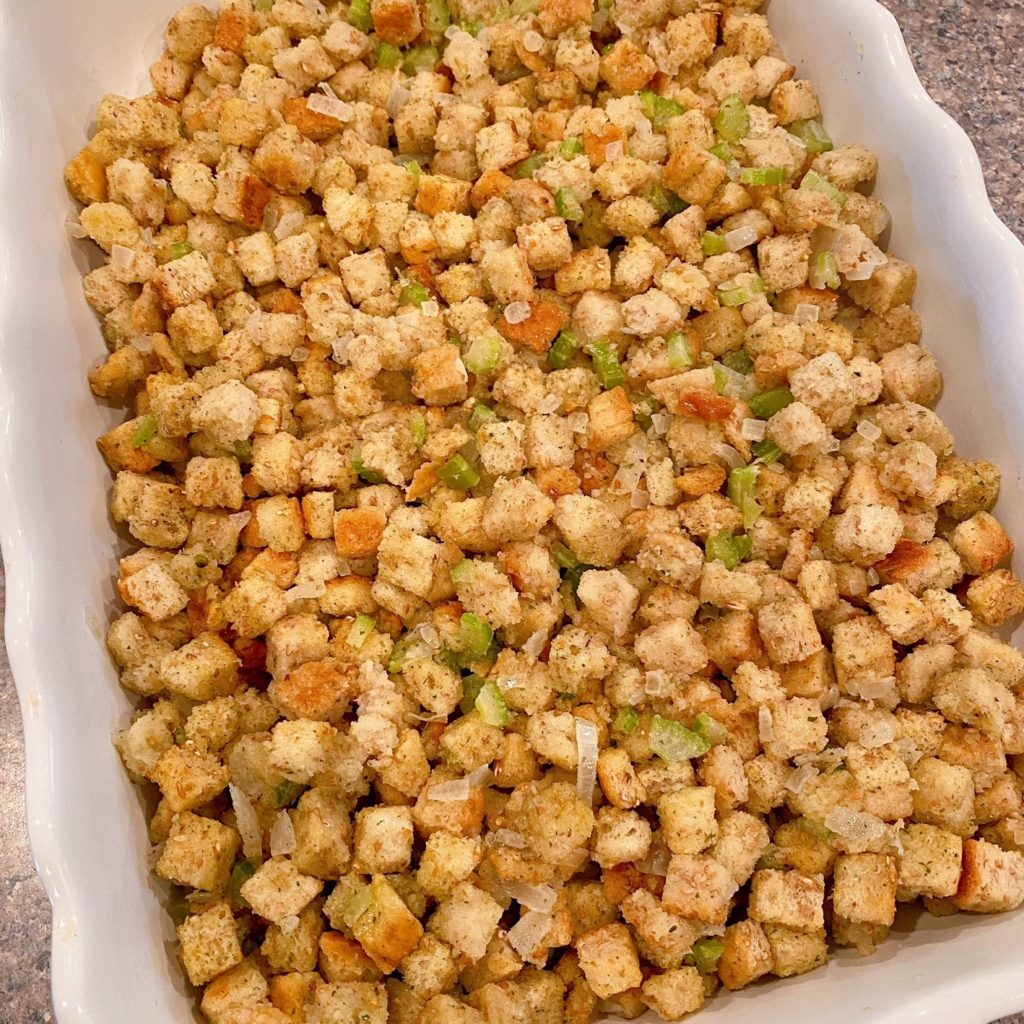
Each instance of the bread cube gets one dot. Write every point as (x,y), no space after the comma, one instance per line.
(675,993)
(439,376)
(746,956)
(188,778)
(795,952)
(198,853)
(788,630)
(383,840)
(788,898)
(944,796)
(209,943)
(698,886)
(609,960)
(202,669)
(930,865)
(278,890)
(693,174)
(687,819)
(467,920)
(384,926)
(992,880)
(981,542)
(864,888)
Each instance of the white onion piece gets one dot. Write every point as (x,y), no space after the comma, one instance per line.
(339,349)
(248,824)
(506,837)
(75,229)
(481,777)
(452,31)
(586,748)
(739,238)
(430,307)
(300,354)
(449,792)
(872,576)
(614,150)
(877,689)
(288,224)
(806,313)
(639,499)
(765,725)
(535,644)
(549,404)
(282,836)
(800,777)
(656,862)
(240,520)
(657,683)
(306,591)
(579,422)
(529,932)
(533,42)
(660,422)
(753,430)
(728,455)
(877,734)
(330,106)
(142,342)
(857,826)
(431,637)
(289,924)
(517,312)
(397,97)
(533,897)
(868,430)
(121,257)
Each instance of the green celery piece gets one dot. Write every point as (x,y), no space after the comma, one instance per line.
(766,404)
(606,365)
(491,704)
(564,348)
(359,15)
(706,954)
(360,631)
(763,175)
(741,493)
(626,720)
(145,431)
(459,474)
(568,206)
(732,122)
(672,741)
(813,135)
(475,635)
(480,415)
(740,361)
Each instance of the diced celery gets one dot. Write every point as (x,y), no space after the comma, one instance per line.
(815,182)
(763,175)
(626,720)
(240,874)
(660,109)
(480,415)
(740,361)
(371,476)
(360,631)
(568,205)
(420,58)
(264,5)
(728,550)
(357,905)
(706,954)
(518,7)
(732,122)
(472,27)
(287,792)
(475,635)
(740,290)
(180,249)
(741,493)
(606,365)
(436,17)
(471,687)
(418,429)
(145,431)
(824,272)
(766,404)
(400,652)
(413,167)
(462,572)
(459,474)
(664,201)
(672,741)
(388,56)
(483,355)
(571,147)
(713,244)
(527,168)
(491,704)
(359,15)
(679,351)
(564,348)
(722,150)
(813,135)
(242,450)
(710,729)
(766,451)
(413,293)
(563,557)
(814,828)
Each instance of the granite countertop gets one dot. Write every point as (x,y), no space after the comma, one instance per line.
(964,51)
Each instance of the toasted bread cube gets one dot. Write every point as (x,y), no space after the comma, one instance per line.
(209,943)
(442,1009)
(891,285)
(383,840)
(981,542)
(241,986)
(278,890)
(185,280)
(351,1001)
(1001,660)
(746,956)
(279,520)
(693,174)
(358,531)
(675,993)
(610,598)
(188,778)
(794,100)
(202,669)
(385,928)
(322,832)
(995,597)
(992,880)
(587,269)
(930,865)
(611,419)
(621,837)
(673,645)
(974,697)
(155,592)
(799,727)
(342,959)
(862,651)
(295,948)
(609,960)
(467,920)
(439,376)
(198,853)
(788,630)
(864,889)
(447,860)
(698,886)
(788,898)
(795,952)
(396,21)
(214,483)
(944,796)
(687,819)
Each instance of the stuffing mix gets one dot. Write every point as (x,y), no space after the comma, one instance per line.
(554,596)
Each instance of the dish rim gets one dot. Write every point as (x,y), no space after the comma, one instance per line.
(51,856)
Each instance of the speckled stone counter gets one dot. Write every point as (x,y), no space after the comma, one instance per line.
(964,53)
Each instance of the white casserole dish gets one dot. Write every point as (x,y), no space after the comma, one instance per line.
(113,959)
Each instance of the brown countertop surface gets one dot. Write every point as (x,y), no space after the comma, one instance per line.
(964,53)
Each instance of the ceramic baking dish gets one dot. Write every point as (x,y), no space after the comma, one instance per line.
(112,943)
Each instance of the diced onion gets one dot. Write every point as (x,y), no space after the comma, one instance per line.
(449,792)
(330,106)
(639,499)
(288,224)
(533,42)
(535,643)
(452,31)
(328,90)
(289,924)
(806,313)
(533,897)
(656,862)
(75,229)
(282,836)
(877,734)
(506,837)
(878,689)
(660,422)
(430,307)
(142,342)
(121,257)
(339,349)
(306,591)
(240,520)
(800,777)
(529,932)
(549,404)
(739,238)
(857,826)
(397,97)
(753,430)
(765,725)
(729,455)
(657,683)
(614,150)
(598,20)
(868,430)
(517,312)
(430,635)
(481,777)
(586,748)
(248,824)
(300,354)
(579,422)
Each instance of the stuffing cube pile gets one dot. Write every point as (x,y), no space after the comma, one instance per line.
(554,596)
